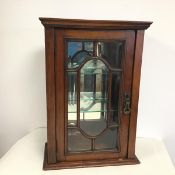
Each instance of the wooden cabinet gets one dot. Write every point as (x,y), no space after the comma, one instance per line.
(92,79)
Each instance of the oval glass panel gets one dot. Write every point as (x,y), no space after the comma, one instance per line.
(93,97)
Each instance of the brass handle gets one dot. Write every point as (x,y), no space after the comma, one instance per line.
(127,104)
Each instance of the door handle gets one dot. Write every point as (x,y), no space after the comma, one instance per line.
(127,104)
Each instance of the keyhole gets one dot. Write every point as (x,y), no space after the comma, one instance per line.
(127,105)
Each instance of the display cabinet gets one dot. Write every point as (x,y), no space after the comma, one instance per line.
(92,81)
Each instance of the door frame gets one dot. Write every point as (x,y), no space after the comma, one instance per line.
(61,124)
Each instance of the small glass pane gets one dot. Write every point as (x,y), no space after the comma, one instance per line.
(115,89)
(112,52)
(93,123)
(77,142)
(72,98)
(88,46)
(107,140)
(78,51)
(93,97)
(73,47)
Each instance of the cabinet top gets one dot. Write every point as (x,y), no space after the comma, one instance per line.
(94,24)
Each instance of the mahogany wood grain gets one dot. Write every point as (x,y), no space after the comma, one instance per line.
(135,92)
(50,89)
(60,97)
(87,163)
(94,24)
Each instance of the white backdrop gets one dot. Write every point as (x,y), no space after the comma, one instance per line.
(22,66)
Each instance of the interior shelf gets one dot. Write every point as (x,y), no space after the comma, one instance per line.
(90,99)
(89,111)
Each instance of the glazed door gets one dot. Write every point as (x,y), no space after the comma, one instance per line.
(97,91)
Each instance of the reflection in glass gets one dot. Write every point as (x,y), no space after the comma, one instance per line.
(88,46)
(74,47)
(112,52)
(93,97)
(72,98)
(77,59)
(115,91)
(77,142)
(78,52)
(107,140)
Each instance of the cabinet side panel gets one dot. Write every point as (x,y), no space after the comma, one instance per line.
(60,93)
(135,92)
(50,89)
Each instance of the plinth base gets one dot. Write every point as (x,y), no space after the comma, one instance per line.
(87,163)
